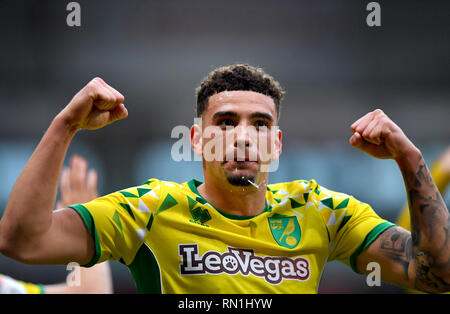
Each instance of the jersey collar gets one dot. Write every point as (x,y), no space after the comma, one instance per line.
(194,184)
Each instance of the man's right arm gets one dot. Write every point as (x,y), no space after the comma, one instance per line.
(29,230)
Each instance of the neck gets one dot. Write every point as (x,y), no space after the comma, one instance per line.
(236,200)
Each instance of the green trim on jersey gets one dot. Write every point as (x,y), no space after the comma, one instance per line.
(193,184)
(146,271)
(89,222)
(370,237)
(41,288)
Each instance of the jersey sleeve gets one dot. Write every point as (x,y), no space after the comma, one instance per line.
(118,222)
(354,228)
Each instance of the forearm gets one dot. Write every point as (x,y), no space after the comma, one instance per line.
(31,202)
(429,224)
(440,177)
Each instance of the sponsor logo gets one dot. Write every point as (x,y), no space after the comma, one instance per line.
(285,230)
(273,269)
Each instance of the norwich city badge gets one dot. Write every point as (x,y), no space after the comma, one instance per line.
(285,230)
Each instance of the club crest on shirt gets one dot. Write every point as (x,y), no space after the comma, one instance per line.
(285,230)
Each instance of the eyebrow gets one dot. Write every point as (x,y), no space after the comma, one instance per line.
(262,115)
(221,114)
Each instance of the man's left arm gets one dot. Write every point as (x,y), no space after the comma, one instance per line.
(418,259)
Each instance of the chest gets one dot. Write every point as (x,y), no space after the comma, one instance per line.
(270,253)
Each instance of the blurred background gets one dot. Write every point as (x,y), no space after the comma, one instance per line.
(333,67)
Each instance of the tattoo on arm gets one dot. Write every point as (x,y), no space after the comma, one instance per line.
(429,240)
(396,244)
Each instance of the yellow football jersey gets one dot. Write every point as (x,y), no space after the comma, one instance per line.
(175,241)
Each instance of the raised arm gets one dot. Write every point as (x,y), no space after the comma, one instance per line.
(420,259)
(29,230)
(440,171)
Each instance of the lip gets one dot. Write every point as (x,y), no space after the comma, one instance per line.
(240,164)
(244,157)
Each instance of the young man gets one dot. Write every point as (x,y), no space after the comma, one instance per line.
(232,233)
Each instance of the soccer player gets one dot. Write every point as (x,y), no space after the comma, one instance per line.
(233,232)
(77,185)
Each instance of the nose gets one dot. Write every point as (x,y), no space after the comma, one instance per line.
(242,137)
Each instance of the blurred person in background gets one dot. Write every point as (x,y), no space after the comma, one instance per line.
(440,171)
(77,185)
(233,233)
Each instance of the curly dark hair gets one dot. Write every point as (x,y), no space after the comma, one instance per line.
(238,77)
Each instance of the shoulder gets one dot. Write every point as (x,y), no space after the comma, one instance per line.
(155,191)
(151,187)
(312,192)
(292,187)
(161,195)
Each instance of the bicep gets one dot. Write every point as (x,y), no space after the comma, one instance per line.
(393,252)
(67,240)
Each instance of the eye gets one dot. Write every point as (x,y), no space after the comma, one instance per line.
(261,123)
(226,122)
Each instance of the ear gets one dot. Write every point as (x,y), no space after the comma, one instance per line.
(196,140)
(277,145)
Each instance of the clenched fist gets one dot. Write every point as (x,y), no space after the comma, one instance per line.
(94,106)
(376,135)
